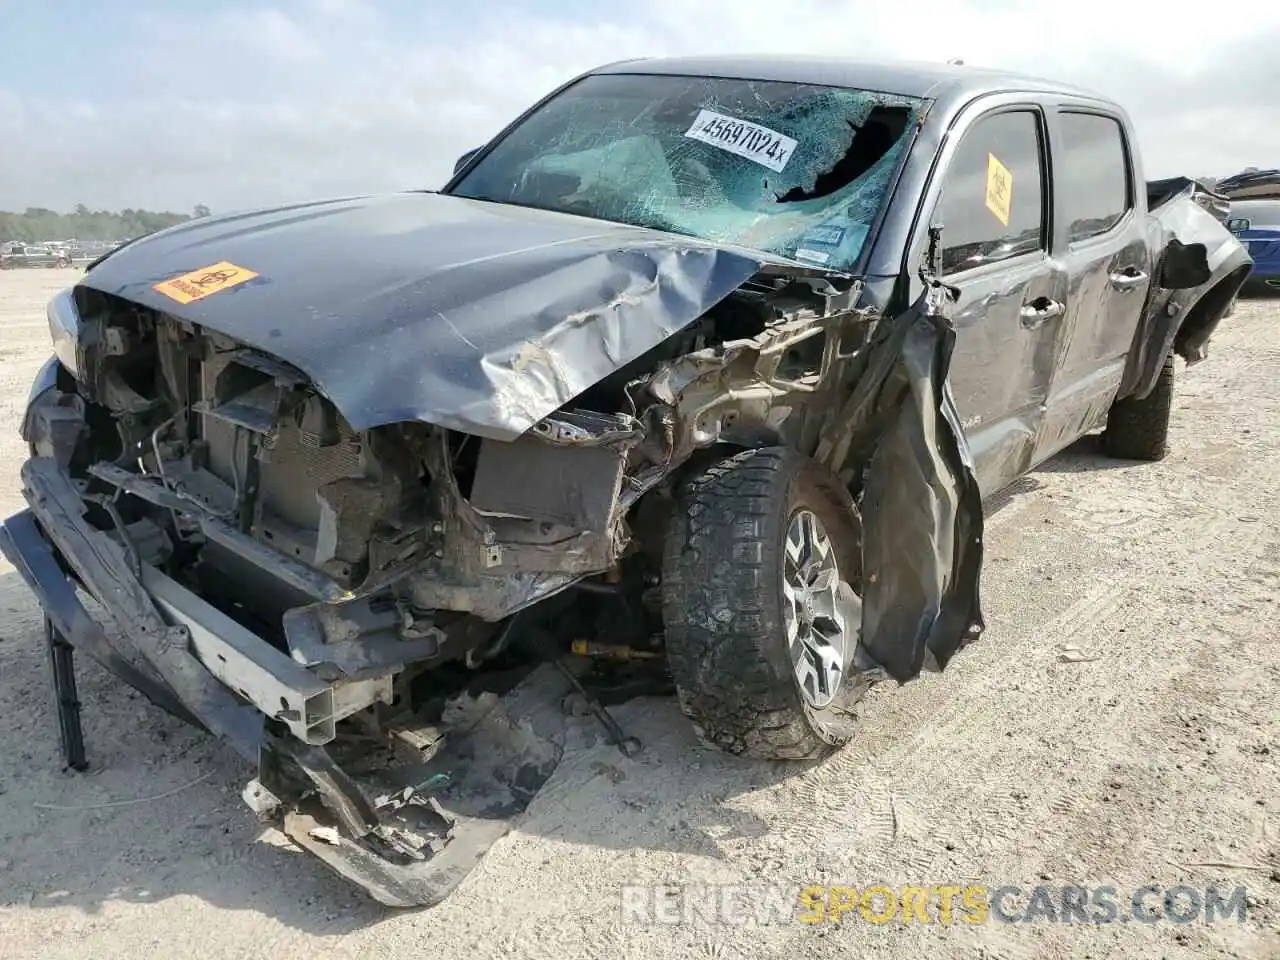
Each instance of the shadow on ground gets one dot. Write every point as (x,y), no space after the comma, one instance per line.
(1083,456)
(159,815)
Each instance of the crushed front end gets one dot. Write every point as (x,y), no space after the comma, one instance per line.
(256,565)
(362,613)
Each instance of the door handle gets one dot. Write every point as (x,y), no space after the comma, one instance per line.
(1039,310)
(1127,279)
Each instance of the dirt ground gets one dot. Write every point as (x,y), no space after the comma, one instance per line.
(1118,725)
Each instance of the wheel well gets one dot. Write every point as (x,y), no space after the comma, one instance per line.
(1208,311)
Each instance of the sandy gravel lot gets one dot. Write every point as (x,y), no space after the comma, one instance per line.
(1118,725)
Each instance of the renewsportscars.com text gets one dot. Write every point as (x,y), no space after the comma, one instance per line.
(882,903)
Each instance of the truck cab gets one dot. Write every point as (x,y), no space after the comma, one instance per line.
(1037,192)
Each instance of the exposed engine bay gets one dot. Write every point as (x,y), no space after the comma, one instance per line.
(363,612)
(367,556)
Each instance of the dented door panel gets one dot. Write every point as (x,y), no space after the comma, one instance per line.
(1011,294)
(1004,361)
(1100,241)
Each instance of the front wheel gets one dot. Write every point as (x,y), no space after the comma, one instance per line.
(761,575)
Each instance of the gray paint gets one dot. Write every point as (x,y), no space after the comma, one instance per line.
(487,318)
(416,306)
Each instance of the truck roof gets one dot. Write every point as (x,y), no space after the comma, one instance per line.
(905,77)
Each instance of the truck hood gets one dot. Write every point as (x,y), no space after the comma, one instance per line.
(476,316)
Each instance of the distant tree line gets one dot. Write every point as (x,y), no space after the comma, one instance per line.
(38,225)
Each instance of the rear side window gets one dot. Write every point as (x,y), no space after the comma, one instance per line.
(992,205)
(1094,179)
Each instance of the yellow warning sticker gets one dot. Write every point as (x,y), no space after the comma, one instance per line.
(204,282)
(999,189)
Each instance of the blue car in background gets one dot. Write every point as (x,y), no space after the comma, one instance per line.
(1254,197)
(1257,224)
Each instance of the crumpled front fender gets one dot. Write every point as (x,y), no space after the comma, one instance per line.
(898,436)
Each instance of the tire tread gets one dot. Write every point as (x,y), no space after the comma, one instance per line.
(721,605)
(1138,429)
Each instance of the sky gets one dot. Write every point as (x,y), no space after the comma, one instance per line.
(165,104)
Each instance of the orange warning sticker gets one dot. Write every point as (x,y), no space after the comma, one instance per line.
(204,282)
(999,189)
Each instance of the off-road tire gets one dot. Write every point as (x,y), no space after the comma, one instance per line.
(722,604)
(1139,429)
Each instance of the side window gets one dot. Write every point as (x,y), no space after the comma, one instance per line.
(1094,182)
(992,205)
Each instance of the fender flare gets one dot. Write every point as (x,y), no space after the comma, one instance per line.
(1181,321)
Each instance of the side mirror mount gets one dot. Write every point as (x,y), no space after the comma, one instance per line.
(463,160)
(1184,266)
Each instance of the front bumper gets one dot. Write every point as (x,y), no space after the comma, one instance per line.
(407,834)
(24,545)
(155,651)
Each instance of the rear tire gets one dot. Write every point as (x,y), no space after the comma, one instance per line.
(740,633)
(1139,429)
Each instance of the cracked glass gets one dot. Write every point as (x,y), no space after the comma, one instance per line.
(795,170)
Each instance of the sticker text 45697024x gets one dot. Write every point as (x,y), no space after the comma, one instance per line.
(744,138)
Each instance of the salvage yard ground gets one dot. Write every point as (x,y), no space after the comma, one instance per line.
(1118,725)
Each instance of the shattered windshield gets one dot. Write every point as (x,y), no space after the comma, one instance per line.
(790,169)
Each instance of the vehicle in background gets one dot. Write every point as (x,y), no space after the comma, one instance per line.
(86,251)
(1256,223)
(1251,184)
(21,255)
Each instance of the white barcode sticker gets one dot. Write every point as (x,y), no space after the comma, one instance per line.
(744,138)
(814,256)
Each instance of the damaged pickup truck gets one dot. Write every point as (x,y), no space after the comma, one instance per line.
(706,365)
